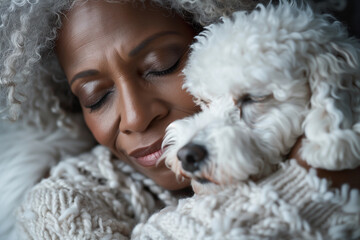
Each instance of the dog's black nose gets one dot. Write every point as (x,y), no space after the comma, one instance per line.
(191,155)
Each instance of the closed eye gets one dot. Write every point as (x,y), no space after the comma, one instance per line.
(165,71)
(250,99)
(99,103)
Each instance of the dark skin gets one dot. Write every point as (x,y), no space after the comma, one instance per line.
(124,64)
(337,178)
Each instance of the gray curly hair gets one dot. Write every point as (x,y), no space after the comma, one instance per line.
(31,80)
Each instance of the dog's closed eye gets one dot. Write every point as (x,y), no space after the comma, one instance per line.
(251,106)
(249,99)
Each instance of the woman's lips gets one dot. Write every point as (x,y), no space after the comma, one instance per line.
(150,160)
(148,156)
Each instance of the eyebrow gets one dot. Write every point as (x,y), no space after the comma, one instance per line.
(86,73)
(148,40)
(133,52)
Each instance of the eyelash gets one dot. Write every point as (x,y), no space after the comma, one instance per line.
(99,103)
(166,71)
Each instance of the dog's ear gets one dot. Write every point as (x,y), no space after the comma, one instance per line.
(332,125)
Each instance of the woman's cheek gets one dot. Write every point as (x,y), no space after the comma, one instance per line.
(103,125)
(179,96)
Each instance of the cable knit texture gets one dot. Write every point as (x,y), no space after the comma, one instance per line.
(95,197)
(289,204)
(90,197)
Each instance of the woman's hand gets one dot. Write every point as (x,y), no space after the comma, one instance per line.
(337,178)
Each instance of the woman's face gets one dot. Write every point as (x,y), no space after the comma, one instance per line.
(124,64)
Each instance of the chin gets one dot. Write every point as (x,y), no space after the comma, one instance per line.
(160,174)
(168,180)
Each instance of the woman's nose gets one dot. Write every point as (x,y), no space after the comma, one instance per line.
(139,109)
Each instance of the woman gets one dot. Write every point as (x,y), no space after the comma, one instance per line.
(122,61)
(126,77)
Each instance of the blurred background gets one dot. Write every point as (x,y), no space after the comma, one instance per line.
(347,11)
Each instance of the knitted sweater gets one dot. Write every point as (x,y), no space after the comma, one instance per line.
(96,197)
(289,204)
(89,197)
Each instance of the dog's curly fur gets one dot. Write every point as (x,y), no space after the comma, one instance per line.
(264,79)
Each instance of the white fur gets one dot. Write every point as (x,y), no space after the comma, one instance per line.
(300,72)
(26,155)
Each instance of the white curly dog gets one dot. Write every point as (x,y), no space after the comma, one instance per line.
(263,80)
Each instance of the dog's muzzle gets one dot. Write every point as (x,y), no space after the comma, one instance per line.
(192,156)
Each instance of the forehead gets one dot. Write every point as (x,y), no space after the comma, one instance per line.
(92,26)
